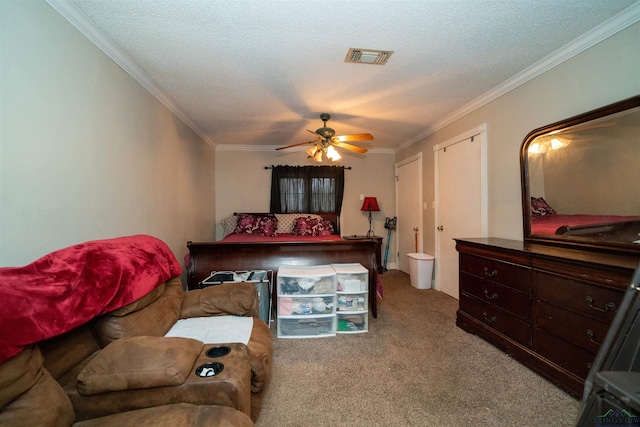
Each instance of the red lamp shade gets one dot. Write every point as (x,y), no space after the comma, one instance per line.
(370,204)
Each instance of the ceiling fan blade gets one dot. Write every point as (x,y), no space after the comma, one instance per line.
(353,137)
(295,145)
(349,147)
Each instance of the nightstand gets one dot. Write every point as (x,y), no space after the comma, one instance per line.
(378,241)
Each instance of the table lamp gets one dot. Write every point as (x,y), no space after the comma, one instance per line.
(370,204)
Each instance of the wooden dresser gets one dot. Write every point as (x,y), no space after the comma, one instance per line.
(548,307)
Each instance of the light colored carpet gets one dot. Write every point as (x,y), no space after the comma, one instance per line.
(413,368)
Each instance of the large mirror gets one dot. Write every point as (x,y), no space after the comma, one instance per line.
(581,180)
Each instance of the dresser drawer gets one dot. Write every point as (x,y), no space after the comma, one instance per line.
(563,353)
(579,330)
(497,319)
(595,302)
(506,274)
(516,303)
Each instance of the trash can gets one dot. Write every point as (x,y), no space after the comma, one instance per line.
(420,270)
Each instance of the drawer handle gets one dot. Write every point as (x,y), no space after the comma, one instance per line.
(492,296)
(608,306)
(590,334)
(492,274)
(487,318)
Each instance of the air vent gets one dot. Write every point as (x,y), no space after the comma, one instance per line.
(368,56)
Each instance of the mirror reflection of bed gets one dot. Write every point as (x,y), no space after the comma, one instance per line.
(583,180)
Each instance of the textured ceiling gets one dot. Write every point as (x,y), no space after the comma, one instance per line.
(259,73)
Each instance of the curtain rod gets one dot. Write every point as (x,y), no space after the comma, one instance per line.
(344,167)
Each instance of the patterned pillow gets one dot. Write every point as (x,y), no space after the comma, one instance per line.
(307,226)
(257,225)
(246,224)
(267,226)
(540,207)
(324,228)
(287,221)
(229,225)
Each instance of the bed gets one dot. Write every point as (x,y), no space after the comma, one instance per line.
(254,252)
(545,221)
(615,227)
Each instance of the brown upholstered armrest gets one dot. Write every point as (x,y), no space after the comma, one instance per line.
(238,299)
(175,415)
(139,363)
(29,395)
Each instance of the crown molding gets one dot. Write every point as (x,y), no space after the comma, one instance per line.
(87,27)
(239,147)
(90,30)
(619,22)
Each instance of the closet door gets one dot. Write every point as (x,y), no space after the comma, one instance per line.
(460,202)
(409,201)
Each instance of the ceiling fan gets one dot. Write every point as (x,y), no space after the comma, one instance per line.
(326,140)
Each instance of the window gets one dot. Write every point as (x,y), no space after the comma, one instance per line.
(307,189)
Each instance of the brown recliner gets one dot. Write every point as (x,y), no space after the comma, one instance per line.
(29,396)
(132,333)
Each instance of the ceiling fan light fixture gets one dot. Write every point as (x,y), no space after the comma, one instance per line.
(368,56)
(333,154)
(311,151)
(557,143)
(318,156)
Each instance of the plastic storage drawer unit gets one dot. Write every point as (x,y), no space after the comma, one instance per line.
(352,303)
(307,326)
(351,277)
(352,298)
(306,301)
(352,323)
(317,280)
(306,305)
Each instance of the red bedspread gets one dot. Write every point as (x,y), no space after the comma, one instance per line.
(281,237)
(71,286)
(548,224)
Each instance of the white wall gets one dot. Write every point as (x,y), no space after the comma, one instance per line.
(243,185)
(603,74)
(85,151)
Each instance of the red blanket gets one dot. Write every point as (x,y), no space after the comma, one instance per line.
(548,224)
(71,286)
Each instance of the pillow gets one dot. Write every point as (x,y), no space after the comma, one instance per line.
(267,226)
(312,227)
(302,226)
(257,225)
(325,228)
(229,225)
(138,363)
(286,221)
(246,224)
(540,207)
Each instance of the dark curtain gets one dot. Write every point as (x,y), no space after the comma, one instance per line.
(307,189)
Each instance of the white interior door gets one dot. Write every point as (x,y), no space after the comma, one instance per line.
(460,201)
(409,201)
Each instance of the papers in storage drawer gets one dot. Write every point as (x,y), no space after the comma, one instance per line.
(351,277)
(219,277)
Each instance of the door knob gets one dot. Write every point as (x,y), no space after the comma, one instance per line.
(440,228)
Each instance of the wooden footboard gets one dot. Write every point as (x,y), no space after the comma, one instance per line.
(206,257)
